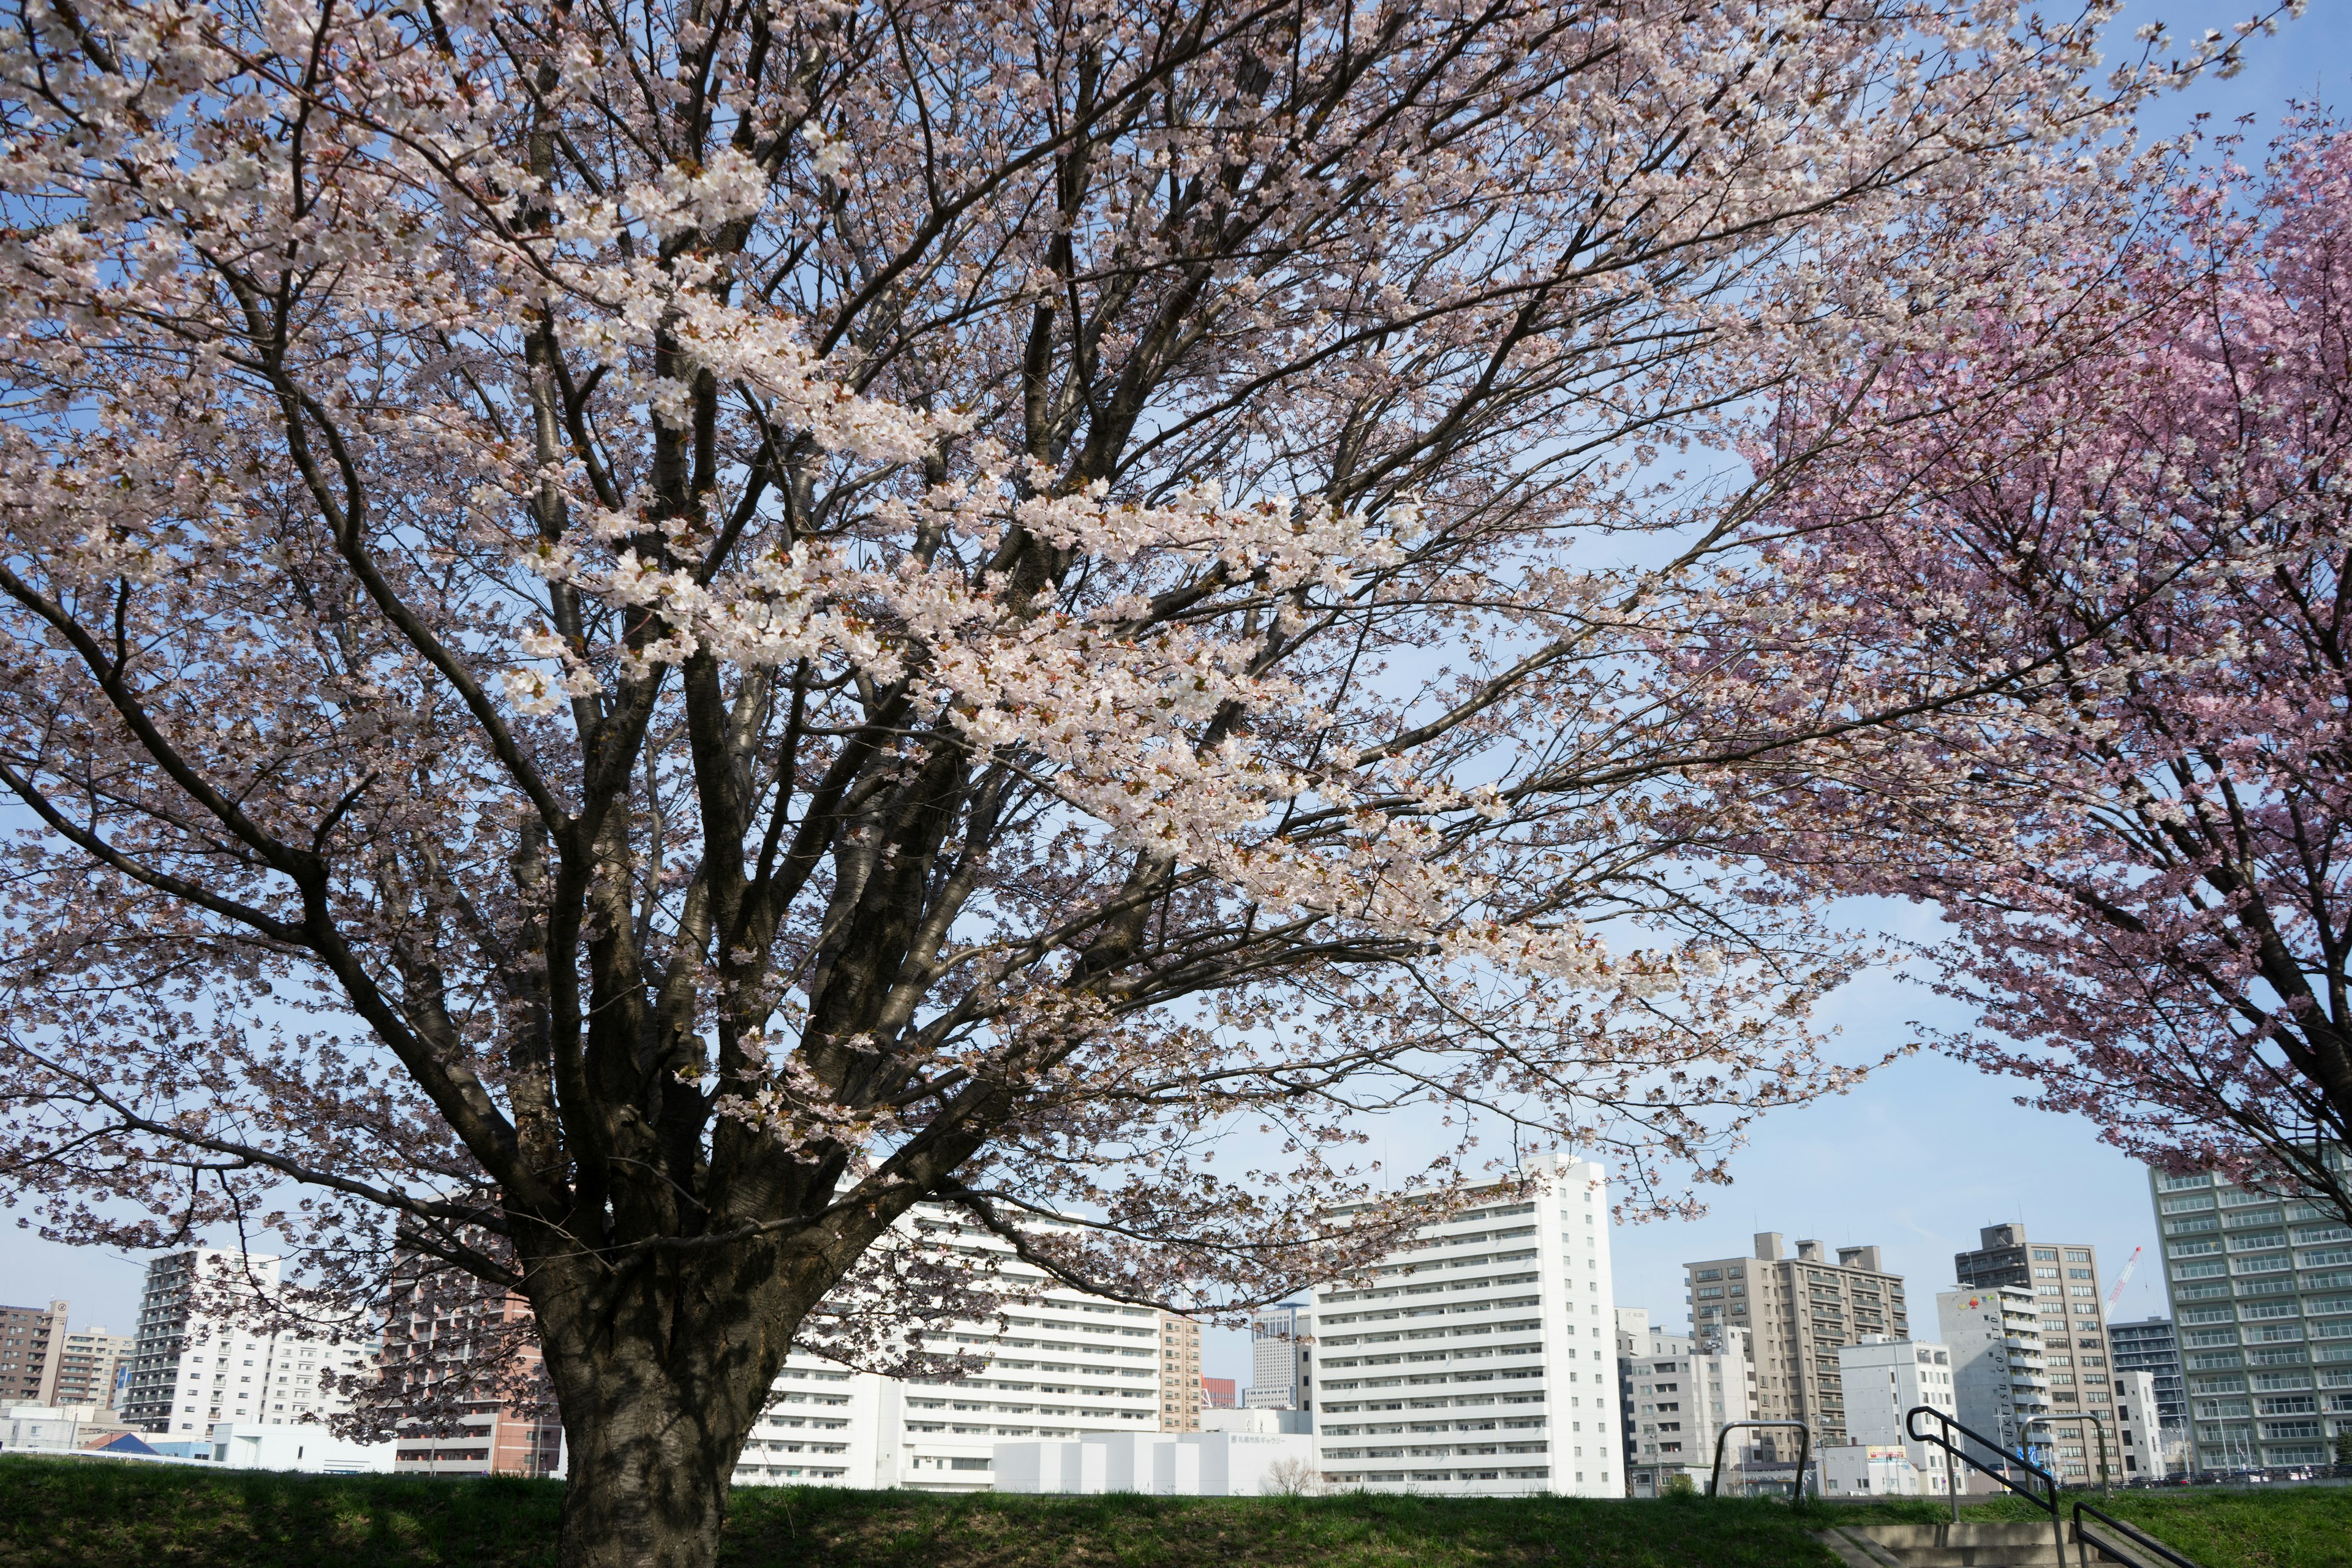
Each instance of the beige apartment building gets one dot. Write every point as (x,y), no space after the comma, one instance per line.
(88,1364)
(1800,1311)
(1181,1393)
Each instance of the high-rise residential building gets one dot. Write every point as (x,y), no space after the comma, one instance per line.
(2151,1345)
(439,1326)
(1798,1312)
(88,1367)
(1181,1397)
(2262,1292)
(2000,1378)
(1053,1363)
(1282,1358)
(1480,1358)
(2064,1278)
(195,1361)
(1676,1395)
(32,1342)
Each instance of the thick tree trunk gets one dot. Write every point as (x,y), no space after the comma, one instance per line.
(646,1488)
(660,1379)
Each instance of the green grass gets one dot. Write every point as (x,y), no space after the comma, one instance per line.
(68,1514)
(2266,1527)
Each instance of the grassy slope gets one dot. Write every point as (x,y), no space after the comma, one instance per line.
(2274,1527)
(84,1514)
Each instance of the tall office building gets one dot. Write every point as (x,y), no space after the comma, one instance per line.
(1181,1397)
(1480,1358)
(2262,1292)
(2151,1345)
(192,1367)
(2064,1281)
(1676,1395)
(1282,1358)
(2001,1381)
(1798,1312)
(32,1342)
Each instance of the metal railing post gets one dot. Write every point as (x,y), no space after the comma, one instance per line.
(1804,1449)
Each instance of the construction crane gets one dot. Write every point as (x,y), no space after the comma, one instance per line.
(2122,1275)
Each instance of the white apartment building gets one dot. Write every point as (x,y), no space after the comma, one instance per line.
(2001,1381)
(1676,1395)
(1282,1372)
(1480,1359)
(1062,1364)
(2150,1447)
(1886,1379)
(191,1369)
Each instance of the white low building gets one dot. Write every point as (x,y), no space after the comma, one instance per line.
(1162,1463)
(307,1449)
(1876,1469)
(1481,1358)
(41,1428)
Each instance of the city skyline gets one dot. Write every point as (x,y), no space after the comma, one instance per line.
(1830,1171)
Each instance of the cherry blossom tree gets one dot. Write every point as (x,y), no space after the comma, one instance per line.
(636,637)
(2125,508)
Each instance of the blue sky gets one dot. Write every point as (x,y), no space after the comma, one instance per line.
(1915,1159)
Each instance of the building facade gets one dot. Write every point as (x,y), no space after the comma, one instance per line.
(1480,1359)
(2001,1384)
(1798,1312)
(1887,1379)
(1282,1358)
(1055,1363)
(192,1367)
(32,1342)
(2262,1294)
(438,1324)
(89,1367)
(1220,1393)
(1676,1395)
(2064,1278)
(2152,1448)
(1181,1395)
(2151,1345)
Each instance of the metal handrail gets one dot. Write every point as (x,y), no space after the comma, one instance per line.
(2046,1501)
(2139,1538)
(1804,1449)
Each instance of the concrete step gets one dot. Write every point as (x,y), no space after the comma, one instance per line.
(2020,1545)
